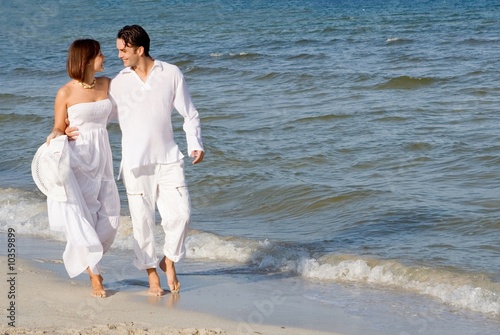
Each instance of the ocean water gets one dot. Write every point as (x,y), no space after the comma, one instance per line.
(351,144)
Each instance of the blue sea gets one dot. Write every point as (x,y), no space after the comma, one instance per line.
(352,145)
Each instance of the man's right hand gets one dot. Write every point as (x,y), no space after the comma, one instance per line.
(71,132)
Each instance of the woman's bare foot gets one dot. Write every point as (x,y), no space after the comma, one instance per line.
(97,288)
(168,266)
(154,283)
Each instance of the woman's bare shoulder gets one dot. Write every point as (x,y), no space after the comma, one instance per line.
(65,91)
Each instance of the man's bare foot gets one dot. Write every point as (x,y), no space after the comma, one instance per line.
(168,266)
(97,288)
(154,283)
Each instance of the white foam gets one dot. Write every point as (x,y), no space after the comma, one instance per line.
(26,212)
(460,290)
(394,39)
(210,246)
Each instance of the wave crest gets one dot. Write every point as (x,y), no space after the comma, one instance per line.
(406,83)
(462,290)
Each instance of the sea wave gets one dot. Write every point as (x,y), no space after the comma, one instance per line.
(307,57)
(209,71)
(236,55)
(398,40)
(462,290)
(15,117)
(9,98)
(26,212)
(406,83)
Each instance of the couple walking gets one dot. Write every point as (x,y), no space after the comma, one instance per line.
(142,97)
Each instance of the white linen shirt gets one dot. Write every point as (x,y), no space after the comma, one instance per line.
(144,114)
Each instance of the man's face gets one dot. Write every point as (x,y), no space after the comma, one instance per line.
(127,54)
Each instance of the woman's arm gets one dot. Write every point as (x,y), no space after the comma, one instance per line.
(60,114)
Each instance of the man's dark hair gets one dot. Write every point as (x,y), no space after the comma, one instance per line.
(135,36)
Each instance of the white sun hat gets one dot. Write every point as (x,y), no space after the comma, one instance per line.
(49,168)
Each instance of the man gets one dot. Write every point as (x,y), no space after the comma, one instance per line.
(145,93)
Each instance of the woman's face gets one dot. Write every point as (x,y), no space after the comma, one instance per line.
(98,62)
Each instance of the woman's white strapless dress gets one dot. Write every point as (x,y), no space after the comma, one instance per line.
(90,215)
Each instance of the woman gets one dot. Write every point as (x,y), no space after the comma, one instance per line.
(89,216)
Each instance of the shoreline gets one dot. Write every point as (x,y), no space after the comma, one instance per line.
(44,302)
(215,299)
(212,300)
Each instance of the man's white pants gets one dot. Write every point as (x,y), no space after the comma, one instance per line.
(165,186)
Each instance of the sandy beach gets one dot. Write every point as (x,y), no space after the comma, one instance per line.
(45,303)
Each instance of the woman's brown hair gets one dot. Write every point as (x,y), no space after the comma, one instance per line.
(80,53)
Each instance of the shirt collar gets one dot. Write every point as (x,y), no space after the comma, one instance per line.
(157,63)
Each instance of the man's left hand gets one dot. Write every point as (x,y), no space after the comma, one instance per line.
(198,156)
